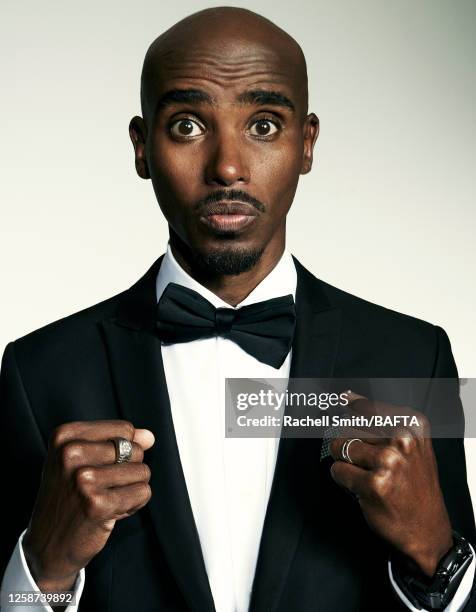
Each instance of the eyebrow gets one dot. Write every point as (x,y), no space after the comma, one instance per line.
(183,96)
(260,97)
(264,96)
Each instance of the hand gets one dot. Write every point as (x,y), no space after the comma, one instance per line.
(395,480)
(82,494)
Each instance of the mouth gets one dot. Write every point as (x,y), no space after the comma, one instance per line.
(228,217)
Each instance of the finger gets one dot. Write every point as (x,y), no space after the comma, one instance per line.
(352,397)
(79,453)
(406,441)
(368,407)
(379,419)
(127,500)
(93,431)
(347,433)
(361,453)
(115,503)
(144,437)
(108,476)
(359,405)
(351,477)
(335,447)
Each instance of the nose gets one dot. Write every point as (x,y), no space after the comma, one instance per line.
(226,164)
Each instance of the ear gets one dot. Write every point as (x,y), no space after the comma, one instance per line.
(311,132)
(138,134)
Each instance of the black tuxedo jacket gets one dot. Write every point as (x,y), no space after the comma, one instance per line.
(316,551)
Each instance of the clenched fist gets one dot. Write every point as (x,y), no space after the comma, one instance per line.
(82,494)
(395,480)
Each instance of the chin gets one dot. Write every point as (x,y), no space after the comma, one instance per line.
(227,259)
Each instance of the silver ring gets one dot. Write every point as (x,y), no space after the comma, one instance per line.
(123,449)
(345,449)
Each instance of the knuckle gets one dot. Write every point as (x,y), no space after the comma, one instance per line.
(96,506)
(129,430)
(388,458)
(406,444)
(58,435)
(380,484)
(85,476)
(70,453)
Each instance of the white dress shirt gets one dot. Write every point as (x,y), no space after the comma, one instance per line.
(228,479)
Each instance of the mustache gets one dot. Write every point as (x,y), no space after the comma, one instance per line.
(230,195)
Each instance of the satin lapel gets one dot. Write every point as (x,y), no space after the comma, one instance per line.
(139,379)
(314,353)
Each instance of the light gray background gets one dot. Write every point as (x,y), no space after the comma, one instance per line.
(387,212)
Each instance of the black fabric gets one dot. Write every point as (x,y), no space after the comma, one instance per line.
(265,329)
(317,554)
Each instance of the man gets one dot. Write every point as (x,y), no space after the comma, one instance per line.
(173,516)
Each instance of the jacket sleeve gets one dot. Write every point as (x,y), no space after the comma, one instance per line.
(449,451)
(23,450)
(18,579)
(459,600)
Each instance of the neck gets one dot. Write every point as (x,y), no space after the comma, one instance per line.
(231,288)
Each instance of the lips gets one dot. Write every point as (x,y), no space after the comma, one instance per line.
(225,217)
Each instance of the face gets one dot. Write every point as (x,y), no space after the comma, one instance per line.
(224,145)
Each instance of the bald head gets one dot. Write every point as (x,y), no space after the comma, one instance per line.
(223,44)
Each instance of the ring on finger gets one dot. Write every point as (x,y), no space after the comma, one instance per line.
(345,449)
(123,449)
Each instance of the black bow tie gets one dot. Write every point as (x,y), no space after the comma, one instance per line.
(264,330)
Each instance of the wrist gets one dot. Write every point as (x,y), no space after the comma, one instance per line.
(436,592)
(427,561)
(47,579)
(54,585)
(426,558)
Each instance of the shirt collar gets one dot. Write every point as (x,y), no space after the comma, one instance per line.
(282,280)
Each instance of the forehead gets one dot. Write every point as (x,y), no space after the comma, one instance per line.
(225,68)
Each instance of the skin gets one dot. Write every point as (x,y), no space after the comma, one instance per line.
(223,146)
(233,51)
(395,480)
(82,494)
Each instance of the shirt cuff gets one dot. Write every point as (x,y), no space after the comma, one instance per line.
(460,597)
(17,579)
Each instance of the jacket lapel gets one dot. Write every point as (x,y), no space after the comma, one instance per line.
(139,379)
(314,354)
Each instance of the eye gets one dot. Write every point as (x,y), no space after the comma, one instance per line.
(264,127)
(185,128)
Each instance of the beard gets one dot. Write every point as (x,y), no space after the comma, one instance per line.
(227,261)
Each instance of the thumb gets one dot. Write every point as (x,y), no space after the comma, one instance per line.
(144,437)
